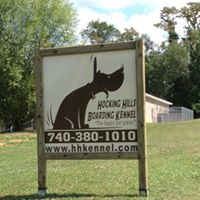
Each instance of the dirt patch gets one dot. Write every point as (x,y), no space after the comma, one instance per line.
(10,139)
(2,144)
(18,140)
(32,134)
(12,142)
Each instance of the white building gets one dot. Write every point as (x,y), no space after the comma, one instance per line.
(153,106)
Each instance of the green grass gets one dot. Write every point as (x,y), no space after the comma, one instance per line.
(173,167)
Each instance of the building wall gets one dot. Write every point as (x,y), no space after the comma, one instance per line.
(153,107)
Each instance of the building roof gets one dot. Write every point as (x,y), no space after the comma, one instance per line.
(158,99)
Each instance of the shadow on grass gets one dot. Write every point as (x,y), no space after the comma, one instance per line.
(64,196)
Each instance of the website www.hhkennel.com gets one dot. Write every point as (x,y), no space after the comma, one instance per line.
(91,147)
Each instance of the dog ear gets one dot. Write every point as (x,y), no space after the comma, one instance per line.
(95,66)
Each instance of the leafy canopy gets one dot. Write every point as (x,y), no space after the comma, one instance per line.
(25,26)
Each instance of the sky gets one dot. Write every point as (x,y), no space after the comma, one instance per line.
(139,14)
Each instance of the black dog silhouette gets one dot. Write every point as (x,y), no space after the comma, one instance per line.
(71,113)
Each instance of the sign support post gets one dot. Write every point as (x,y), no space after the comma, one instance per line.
(142,152)
(40,130)
(101,115)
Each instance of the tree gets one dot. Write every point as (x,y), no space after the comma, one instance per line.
(25,26)
(100,32)
(194,82)
(129,34)
(168,22)
(190,93)
(191,14)
(149,45)
(166,69)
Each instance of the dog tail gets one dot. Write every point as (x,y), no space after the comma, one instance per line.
(49,119)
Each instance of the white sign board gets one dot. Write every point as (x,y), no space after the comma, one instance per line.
(90,102)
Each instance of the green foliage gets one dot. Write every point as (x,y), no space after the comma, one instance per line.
(129,34)
(191,13)
(186,89)
(168,22)
(149,46)
(196,108)
(25,26)
(194,82)
(165,68)
(100,32)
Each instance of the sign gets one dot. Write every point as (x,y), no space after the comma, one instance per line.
(90,102)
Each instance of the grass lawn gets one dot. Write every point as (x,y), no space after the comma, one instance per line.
(173,167)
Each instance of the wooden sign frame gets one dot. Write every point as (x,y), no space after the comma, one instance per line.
(141,155)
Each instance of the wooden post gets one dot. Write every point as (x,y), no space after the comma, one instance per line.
(142,152)
(40,132)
